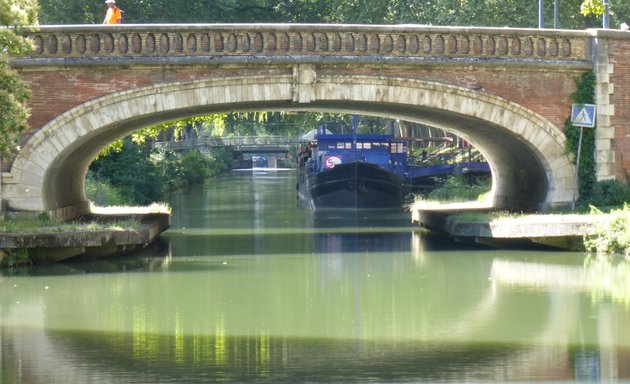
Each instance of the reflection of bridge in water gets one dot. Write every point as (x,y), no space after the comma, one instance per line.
(567,344)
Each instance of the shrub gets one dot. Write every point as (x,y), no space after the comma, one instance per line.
(611,236)
(196,167)
(16,258)
(131,170)
(102,193)
(153,173)
(168,168)
(456,188)
(610,193)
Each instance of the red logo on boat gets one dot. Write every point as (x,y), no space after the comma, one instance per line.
(331,161)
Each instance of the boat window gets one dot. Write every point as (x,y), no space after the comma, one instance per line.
(398,148)
(348,145)
(367,145)
(340,145)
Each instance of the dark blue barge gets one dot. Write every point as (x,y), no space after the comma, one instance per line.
(355,171)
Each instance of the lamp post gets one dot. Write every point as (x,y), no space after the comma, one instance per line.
(606,21)
(555,14)
(541,19)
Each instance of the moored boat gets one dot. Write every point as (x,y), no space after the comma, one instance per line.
(356,171)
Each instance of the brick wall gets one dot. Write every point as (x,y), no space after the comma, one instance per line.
(56,92)
(544,92)
(620,78)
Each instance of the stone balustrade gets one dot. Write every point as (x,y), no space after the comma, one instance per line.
(331,41)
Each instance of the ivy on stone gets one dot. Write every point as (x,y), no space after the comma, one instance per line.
(584,94)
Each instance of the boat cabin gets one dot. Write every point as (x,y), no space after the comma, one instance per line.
(381,150)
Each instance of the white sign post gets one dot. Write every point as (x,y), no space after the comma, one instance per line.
(582,115)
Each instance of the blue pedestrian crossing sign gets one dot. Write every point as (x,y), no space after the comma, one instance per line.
(583,115)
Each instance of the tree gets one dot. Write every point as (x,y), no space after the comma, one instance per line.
(72,12)
(574,14)
(13,92)
(619,10)
(131,169)
(161,11)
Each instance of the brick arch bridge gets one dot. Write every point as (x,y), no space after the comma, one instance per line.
(504,90)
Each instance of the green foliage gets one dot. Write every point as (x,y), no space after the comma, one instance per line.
(192,167)
(160,11)
(153,174)
(592,7)
(499,13)
(168,169)
(15,258)
(610,193)
(13,97)
(72,11)
(612,236)
(18,12)
(103,193)
(195,167)
(13,92)
(43,223)
(44,217)
(584,94)
(457,188)
(213,125)
(132,171)
(13,225)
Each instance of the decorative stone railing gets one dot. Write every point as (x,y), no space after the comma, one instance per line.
(330,41)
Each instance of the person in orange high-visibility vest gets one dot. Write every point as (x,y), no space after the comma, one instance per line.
(114,14)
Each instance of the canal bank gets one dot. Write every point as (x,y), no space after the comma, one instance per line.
(564,231)
(105,232)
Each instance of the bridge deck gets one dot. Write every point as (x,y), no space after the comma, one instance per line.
(246,144)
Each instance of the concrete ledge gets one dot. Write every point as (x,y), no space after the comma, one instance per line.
(57,246)
(559,231)
(528,227)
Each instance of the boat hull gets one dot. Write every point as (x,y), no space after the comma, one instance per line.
(355,185)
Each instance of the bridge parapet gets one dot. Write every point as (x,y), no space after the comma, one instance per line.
(327,42)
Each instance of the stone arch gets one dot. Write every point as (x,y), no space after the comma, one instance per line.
(531,170)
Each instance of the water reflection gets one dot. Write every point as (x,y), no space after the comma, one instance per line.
(603,277)
(332,297)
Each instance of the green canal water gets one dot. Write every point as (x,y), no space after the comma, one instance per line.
(246,287)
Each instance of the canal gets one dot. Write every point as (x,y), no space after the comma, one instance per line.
(246,287)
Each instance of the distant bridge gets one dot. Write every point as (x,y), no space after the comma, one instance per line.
(239,144)
(504,90)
